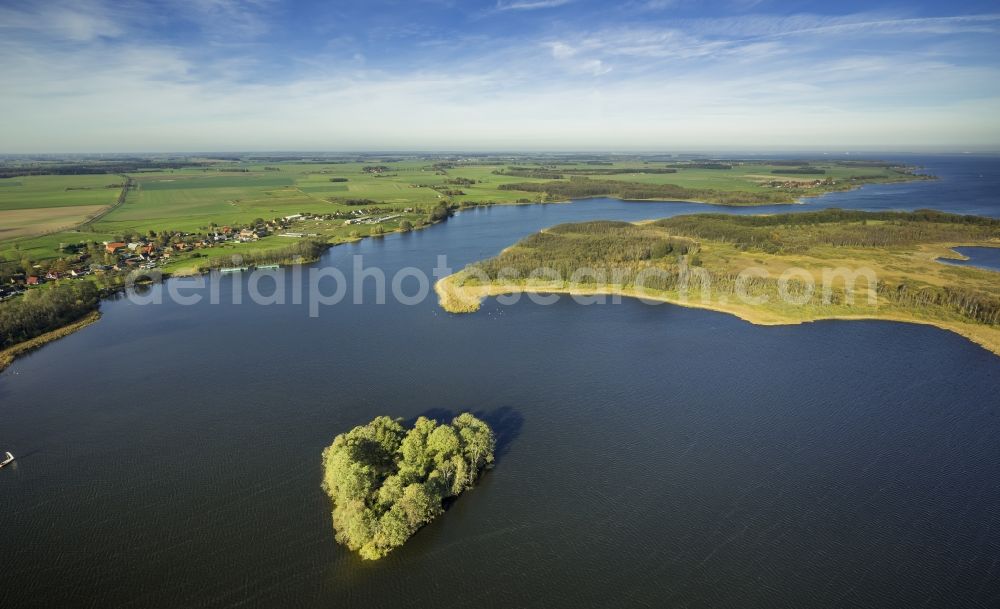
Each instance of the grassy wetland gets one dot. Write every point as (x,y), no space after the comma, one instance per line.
(779,269)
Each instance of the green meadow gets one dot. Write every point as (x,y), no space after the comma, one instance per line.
(31,192)
(751,177)
(41,204)
(191,199)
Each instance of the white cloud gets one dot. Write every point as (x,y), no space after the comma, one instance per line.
(561,50)
(567,56)
(529,5)
(82,21)
(595,67)
(658,5)
(244,18)
(730,83)
(794,25)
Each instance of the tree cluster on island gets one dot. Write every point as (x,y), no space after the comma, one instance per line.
(386,481)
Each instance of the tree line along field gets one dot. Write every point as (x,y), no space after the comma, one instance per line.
(192,198)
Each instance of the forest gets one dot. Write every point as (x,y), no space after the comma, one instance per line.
(837,227)
(387,481)
(623,246)
(43,310)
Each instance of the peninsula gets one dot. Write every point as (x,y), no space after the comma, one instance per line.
(775,269)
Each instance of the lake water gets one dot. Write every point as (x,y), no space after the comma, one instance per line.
(981,257)
(169,456)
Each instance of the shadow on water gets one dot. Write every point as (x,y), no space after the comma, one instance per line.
(505,421)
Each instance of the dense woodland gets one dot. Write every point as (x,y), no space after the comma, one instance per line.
(599,244)
(837,227)
(43,310)
(386,481)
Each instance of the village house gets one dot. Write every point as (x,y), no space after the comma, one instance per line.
(113,246)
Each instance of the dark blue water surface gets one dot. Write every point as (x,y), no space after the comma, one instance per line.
(981,257)
(169,455)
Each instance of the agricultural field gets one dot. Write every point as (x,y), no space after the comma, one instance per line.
(193,198)
(34,205)
(16,223)
(752,177)
(199,193)
(51,191)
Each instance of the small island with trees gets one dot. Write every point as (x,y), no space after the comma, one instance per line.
(387,481)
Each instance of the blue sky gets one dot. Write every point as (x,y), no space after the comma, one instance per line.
(187,75)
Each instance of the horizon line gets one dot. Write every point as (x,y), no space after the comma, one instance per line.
(957,150)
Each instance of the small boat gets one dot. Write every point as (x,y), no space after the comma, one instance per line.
(9,458)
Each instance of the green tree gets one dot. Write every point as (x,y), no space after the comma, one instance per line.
(417,461)
(442,444)
(440,212)
(478,441)
(386,482)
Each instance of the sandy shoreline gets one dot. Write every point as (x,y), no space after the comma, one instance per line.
(7,356)
(460,299)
